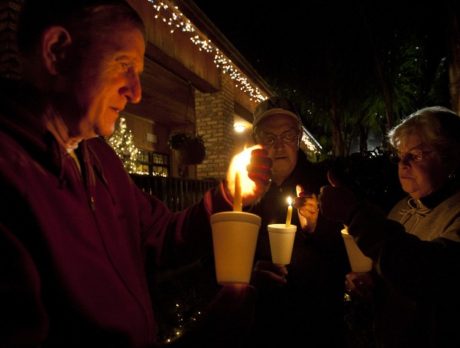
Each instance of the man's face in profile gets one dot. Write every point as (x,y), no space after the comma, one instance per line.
(106,79)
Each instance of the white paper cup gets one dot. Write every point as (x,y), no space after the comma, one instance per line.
(358,261)
(281,242)
(234,236)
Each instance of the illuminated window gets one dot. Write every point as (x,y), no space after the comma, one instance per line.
(152,163)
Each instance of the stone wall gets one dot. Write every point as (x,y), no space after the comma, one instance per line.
(214,121)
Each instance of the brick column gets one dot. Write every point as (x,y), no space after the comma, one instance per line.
(214,121)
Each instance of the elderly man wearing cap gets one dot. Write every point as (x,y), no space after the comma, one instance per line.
(302,302)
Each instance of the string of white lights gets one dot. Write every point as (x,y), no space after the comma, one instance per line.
(173,17)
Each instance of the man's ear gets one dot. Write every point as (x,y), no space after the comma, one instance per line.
(56,42)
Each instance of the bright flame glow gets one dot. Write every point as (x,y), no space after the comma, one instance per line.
(239,163)
(239,127)
(289,200)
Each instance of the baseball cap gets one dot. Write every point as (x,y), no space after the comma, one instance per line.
(275,106)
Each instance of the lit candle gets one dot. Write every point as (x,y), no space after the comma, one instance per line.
(238,179)
(237,199)
(289,212)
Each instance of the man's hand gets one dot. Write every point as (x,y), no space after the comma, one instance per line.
(267,274)
(307,208)
(259,171)
(253,167)
(359,284)
(336,202)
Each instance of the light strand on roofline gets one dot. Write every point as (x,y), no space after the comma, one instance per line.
(174,18)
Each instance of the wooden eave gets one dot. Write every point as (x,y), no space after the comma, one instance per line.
(205,25)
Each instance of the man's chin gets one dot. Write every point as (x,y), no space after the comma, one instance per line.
(281,163)
(104,132)
(281,172)
(90,135)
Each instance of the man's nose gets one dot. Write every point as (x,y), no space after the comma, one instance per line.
(279,142)
(134,89)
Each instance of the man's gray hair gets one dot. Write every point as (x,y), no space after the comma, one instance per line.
(77,16)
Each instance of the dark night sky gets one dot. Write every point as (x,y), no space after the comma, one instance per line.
(291,41)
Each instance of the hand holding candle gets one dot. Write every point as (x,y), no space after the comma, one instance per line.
(307,209)
(289,212)
(358,261)
(234,233)
(247,186)
(281,237)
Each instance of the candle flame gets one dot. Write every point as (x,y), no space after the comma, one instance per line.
(239,164)
(289,200)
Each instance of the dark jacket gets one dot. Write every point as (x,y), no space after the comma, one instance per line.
(77,252)
(417,294)
(309,308)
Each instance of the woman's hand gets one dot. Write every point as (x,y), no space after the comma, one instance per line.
(359,284)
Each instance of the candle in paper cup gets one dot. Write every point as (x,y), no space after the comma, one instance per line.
(281,237)
(234,233)
(234,237)
(358,261)
(289,212)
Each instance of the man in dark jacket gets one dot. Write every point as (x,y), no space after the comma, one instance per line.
(301,304)
(79,242)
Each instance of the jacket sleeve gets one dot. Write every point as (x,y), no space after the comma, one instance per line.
(168,239)
(175,238)
(414,267)
(23,319)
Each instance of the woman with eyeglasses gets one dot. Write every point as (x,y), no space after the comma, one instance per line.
(416,250)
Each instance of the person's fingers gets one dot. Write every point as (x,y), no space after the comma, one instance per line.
(352,288)
(307,205)
(259,169)
(259,158)
(312,202)
(280,269)
(304,198)
(263,265)
(349,286)
(299,202)
(359,284)
(273,277)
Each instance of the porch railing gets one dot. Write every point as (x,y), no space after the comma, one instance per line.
(176,193)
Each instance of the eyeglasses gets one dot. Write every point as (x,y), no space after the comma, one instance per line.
(290,136)
(415,156)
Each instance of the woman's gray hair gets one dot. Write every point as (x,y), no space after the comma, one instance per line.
(437,126)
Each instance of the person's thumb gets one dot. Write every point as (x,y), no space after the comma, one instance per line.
(333,178)
(299,190)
